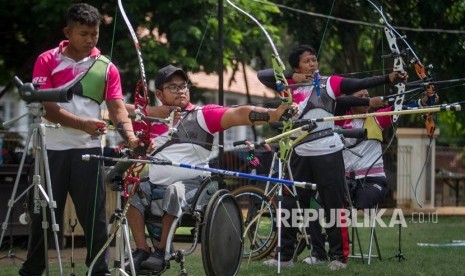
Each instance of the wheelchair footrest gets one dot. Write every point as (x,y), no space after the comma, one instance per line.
(143,272)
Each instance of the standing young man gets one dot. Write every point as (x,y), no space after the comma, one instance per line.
(318,158)
(77,63)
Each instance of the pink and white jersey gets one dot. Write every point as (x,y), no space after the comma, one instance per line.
(54,70)
(325,145)
(371,162)
(209,120)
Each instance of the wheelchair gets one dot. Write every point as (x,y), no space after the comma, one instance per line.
(216,219)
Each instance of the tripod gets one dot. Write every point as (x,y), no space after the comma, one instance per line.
(399,254)
(277,192)
(122,243)
(42,198)
(119,223)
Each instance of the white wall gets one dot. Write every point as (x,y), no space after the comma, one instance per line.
(415,168)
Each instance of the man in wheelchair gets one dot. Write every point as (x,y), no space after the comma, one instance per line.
(192,144)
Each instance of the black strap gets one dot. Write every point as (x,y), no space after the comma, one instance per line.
(317,135)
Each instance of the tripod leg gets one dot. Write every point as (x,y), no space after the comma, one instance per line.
(377,245)
(302,229)
(121,244)
(127,247)
(399,252)
(51,203)
(10,253)
(353,227)
(278,216)
(45,229)
(372,232)
(72,245)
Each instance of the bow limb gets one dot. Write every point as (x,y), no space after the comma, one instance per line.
(136,44)
(284,92)
(141,98)
(285,146)
(399,65)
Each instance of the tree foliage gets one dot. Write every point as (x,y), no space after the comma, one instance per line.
(171,32)
(347,47)
(185,33)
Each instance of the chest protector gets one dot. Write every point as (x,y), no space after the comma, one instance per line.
(189,131)
(92,84)
(374,131)
(324,101)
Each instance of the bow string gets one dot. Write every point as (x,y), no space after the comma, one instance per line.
(392,36)
(285,147)
(141,99)
(142,129)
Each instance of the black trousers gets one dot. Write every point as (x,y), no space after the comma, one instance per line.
(83,180)
(327,171)
(369,191)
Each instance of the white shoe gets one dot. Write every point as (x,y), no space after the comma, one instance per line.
(313,261)
(337,265)
(274,263)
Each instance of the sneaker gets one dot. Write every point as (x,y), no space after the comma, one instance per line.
(337,265)
(138,256)
(274,263)
(155,262)
(313,261)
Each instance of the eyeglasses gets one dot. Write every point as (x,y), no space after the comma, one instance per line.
(174,88)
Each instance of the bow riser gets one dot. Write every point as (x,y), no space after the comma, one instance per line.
(430,91)
(398,67)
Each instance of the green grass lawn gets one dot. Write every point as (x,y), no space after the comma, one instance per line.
(419,260)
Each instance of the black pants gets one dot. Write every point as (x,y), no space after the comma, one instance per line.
(83,180)
(369,191)
(327,171)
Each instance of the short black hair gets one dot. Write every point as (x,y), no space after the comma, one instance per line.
(84,14)
(294,56)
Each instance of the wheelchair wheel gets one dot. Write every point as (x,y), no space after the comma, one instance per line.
(205,192)
(221,235)
(261,237)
